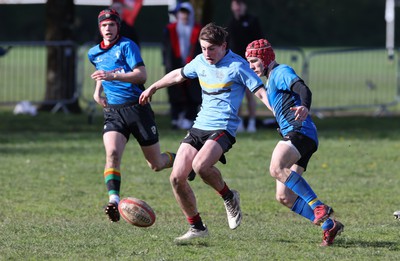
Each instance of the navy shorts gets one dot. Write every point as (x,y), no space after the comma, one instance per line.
(305,145)
(132,118)
(197,138)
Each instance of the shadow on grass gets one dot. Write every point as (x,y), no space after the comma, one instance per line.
(357,127)
(346,243)
(196,242)
(361,127)
(390,245)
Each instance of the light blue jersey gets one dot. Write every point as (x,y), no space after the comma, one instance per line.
(122,57)
(223,88)
(282,98)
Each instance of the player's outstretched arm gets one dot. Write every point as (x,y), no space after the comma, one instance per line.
(172,78)
(262,95)
(145,97)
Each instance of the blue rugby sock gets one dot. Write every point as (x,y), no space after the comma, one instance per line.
(300,186)
(328,224)
(302,208)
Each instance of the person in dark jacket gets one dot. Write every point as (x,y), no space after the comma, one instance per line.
(244,28)
(180,46)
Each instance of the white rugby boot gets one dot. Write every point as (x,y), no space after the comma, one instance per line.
(233,211)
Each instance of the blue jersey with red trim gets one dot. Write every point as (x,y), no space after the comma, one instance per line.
(122,57)
(282,98)
(223,85)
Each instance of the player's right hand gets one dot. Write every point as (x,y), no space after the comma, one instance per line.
(145,97)
(102,101)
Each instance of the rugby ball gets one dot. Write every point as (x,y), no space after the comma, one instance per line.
(136,212)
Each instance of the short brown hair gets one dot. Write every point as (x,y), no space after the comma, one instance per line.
(213,34)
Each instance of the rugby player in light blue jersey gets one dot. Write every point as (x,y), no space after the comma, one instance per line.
(120,75)
(224,77)
(290,101)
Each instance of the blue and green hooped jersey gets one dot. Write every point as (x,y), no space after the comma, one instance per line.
(122,57)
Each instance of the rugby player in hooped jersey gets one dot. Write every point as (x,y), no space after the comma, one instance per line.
(224,77)
(289,99)
(120,75)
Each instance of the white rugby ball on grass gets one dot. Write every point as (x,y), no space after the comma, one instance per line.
(136,212)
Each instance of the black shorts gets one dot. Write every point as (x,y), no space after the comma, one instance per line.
(197,138)
(305,146)
(132,118)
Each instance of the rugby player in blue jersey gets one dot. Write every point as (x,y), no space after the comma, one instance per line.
(120,75)
(224,77)
(289,99)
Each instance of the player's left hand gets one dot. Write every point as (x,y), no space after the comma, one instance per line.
(300,113)
(101,75)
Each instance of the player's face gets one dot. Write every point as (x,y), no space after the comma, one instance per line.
(256,65)
(213,53)
(109,30)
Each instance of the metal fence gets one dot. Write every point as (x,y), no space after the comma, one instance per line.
(340,79)
(23,72)
(353,79)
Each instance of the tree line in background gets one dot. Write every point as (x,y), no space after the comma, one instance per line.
(289,22)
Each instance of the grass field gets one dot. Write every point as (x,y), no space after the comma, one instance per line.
(53,193)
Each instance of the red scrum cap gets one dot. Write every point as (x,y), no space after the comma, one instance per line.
(109,14)
(261,49)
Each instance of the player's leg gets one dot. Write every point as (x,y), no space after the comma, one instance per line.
(284,195)
(284,156)
(143,127)
(184,194)
(114,144)
(330,227)
(178,179)
(291,200)
(203,165)
(155,159)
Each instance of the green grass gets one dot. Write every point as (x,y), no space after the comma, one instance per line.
(53,193)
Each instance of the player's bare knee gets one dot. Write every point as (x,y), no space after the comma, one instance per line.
(175,181)
(283,199)
(275,172)
(198,167)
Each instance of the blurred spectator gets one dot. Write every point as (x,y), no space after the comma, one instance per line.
(243,28)
(180,46)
